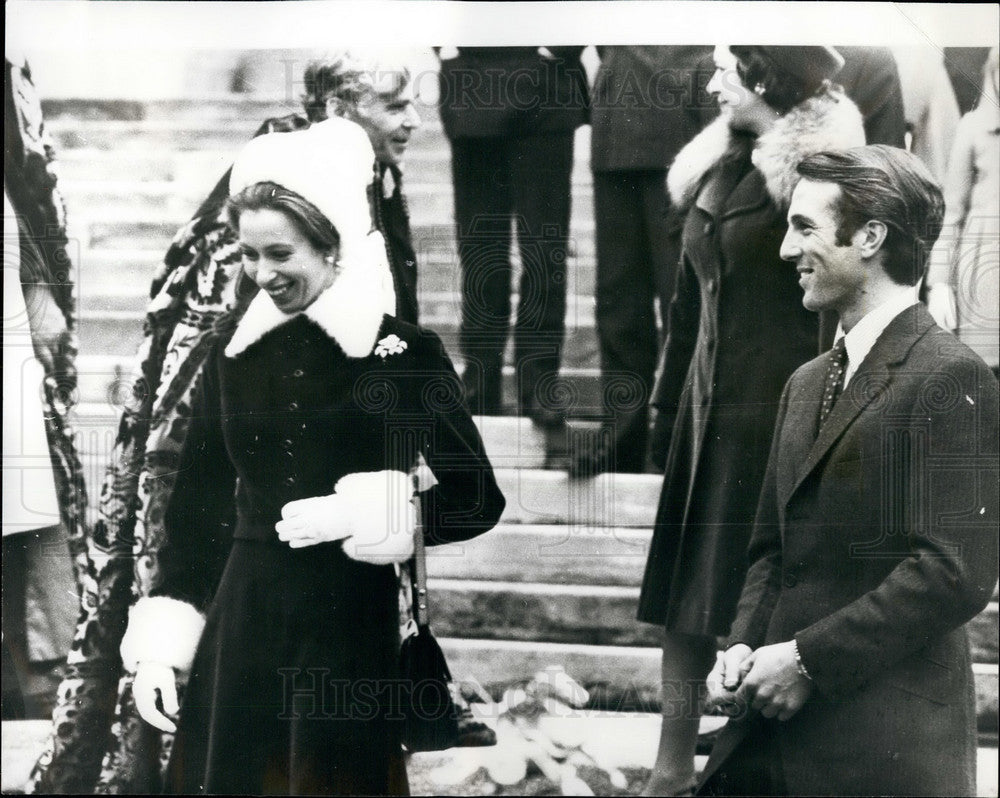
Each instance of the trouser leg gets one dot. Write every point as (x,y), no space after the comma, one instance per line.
(540,171)
(482,216)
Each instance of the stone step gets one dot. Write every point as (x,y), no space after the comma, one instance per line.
(529,611)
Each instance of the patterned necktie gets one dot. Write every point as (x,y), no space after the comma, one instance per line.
(834,379)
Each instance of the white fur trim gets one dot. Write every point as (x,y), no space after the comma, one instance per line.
(162,630)
(826,121)
(349,311)
(382,515)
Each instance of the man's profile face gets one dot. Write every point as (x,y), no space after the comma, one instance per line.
(389,119)
(832,276)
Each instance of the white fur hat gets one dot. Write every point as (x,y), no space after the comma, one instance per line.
(331,164)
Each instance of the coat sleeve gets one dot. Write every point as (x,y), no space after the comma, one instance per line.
(466,501)
(763,580)
(199,518)
(949,506)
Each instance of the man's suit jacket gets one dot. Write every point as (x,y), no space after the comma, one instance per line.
(874,541)
(512,91)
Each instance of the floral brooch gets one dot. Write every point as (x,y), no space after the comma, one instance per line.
(390,345)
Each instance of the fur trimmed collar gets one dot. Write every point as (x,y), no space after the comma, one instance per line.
(349,311)
(828,120)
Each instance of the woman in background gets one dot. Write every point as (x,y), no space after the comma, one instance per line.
(737,329)
(964,274)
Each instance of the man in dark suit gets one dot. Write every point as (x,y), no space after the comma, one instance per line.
(876,533)
(510,114)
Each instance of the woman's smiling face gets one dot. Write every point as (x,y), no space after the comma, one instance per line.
(282,261)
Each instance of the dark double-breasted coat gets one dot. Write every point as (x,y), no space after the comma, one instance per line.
(293,684)
(875,540)
(737,329)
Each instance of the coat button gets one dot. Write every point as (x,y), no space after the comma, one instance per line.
(298,373)
(288,482)
(293,406)
(286,444)
(789,580)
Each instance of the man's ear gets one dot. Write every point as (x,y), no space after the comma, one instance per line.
(872,234)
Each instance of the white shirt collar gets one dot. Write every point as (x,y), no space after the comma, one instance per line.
(863,335)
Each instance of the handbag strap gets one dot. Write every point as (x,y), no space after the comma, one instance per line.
(418,573)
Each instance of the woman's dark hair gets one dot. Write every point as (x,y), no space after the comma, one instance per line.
(319,231)
(888,185)
(781,89)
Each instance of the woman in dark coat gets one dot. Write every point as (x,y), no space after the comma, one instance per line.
(737,330)
(277,591)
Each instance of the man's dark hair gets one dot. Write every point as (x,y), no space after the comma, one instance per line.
(889,185)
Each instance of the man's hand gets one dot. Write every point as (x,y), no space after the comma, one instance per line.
(731,666)
(773,685)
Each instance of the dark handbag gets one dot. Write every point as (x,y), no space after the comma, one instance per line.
(432,721)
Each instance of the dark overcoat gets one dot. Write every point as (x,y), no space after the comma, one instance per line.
(737,330)
(874,542)
(293,686)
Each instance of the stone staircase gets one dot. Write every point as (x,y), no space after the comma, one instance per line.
(557,582)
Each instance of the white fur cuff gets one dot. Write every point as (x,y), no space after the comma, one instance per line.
(382,515)
(162,630)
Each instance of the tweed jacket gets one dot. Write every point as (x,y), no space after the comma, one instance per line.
(875,541)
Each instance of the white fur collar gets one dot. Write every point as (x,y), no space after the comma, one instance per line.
(349,311)
(828,120)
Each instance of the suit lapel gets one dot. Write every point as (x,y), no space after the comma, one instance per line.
(872,378)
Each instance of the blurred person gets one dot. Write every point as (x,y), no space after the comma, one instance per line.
(647,103)
(44,495)
(964,277)
(930,105)
(267,582)
(870,78)
(510,114)
(97,740)
(965,69)
(848,670)
(737,330)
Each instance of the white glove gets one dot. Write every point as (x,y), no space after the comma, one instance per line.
(941,305)
(319,519)
(152,678)
(162,635)
(371,511)
(383,517)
